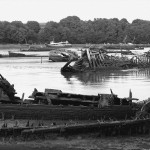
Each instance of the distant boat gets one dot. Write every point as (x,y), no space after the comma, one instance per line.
(36,48)
(140,51)
(27,54)
(15,54)
(62,55)
(59,44)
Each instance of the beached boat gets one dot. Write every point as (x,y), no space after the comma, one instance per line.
(98,128)
(20,54)
(62,55)
(55,104)
(53,44)
(59,57)
(28,53)
(138,125)
(35,48)
(15,54)
(83,106)
(7,92)
(60,112)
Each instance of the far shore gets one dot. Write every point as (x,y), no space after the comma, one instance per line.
(18,46)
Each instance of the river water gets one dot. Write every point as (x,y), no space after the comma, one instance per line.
(29,73)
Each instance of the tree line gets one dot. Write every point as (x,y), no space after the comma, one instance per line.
(76,31)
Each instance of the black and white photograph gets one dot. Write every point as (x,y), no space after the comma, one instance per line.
(74,75)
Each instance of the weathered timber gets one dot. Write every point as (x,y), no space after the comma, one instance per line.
(12,131)
(77,106)
(7,91)
(57,97)
(100,128)
(55,112)
(96,60)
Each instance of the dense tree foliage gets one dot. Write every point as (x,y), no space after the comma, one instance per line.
(33,25)
(75,30)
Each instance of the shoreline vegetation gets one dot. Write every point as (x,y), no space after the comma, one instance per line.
(106,46)
(74,30)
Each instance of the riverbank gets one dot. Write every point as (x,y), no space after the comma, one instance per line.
(110,46)
(10,46)
(79,143)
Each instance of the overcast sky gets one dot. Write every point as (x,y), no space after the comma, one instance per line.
(55,10)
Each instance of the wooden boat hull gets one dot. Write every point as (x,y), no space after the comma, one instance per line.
(57,58)
(111,128)
(37,49)
(11,54)
(49,112)
(98,60)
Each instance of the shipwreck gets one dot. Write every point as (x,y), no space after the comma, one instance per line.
(93,59)
(54,104)
(101,114)
(7,92)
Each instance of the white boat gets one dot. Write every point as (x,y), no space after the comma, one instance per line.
(59,44)
(140,51)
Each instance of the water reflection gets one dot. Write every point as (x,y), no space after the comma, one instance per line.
(102,76)
(138,80)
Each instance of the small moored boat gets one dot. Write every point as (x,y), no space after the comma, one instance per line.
(15,54)
(53,44)
(62,55)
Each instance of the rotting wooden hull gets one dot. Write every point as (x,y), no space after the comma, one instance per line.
(111,128)
(49,112)
(57,58)
(37,49)
(96,61)
(94,128)
(70,69)
(19,54)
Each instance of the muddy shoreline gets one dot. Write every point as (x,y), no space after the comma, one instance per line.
(80,143)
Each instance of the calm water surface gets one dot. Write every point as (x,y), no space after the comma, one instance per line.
(29,73)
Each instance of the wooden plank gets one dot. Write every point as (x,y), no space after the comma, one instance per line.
(89,57)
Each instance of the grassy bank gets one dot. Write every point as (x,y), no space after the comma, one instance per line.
(10,46)
(79,143)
